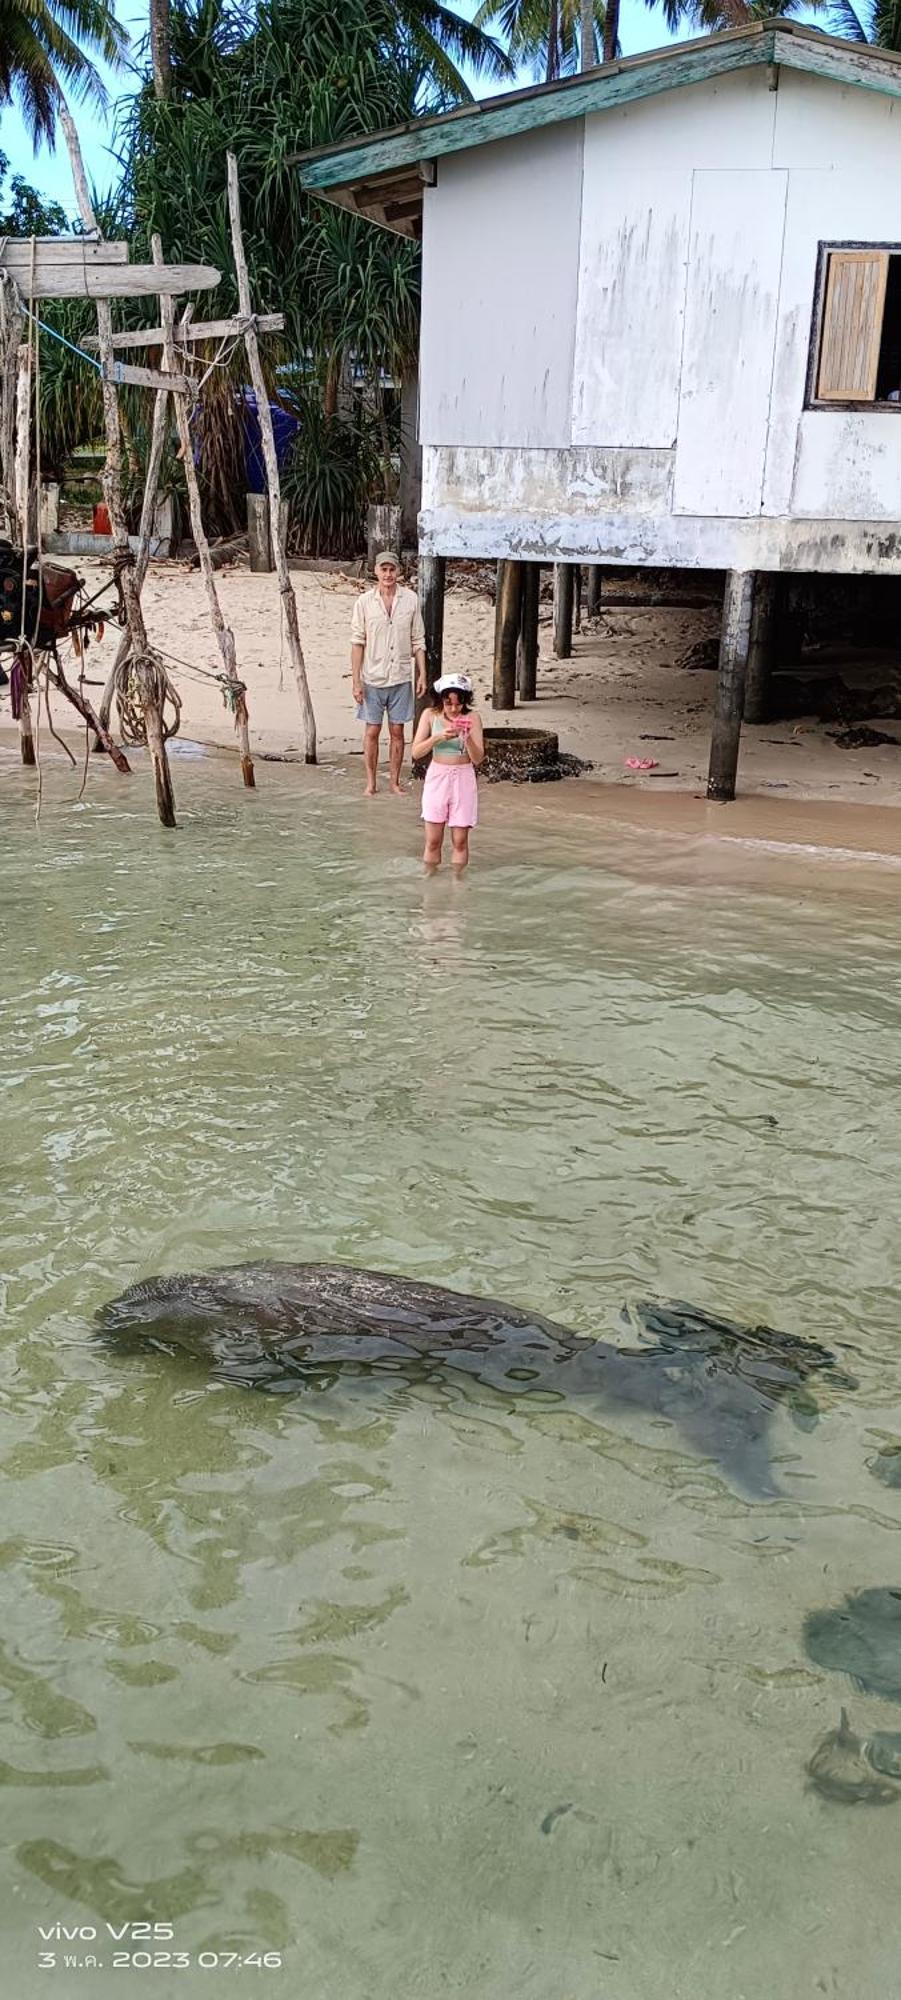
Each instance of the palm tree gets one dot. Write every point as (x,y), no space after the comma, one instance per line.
(445,44)
(713,15)
(547,36)
(43,45)
(880,24)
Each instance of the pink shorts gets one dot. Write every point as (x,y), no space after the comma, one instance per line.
(450,795)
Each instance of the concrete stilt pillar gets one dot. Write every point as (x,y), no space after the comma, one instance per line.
(564,597)
(735,640)
(527,676)
(593,594)
(431,580)
(760,648)
(506,633)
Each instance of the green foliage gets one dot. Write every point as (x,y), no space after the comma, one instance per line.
(334,469)
(70,401)
(543,36)
(879,23)
(238,84)
(25,212)
(45,49)
(712,15)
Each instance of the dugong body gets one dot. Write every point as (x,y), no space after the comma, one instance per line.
(284,1327)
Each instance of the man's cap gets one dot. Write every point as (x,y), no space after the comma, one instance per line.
(387,555)
(454,683)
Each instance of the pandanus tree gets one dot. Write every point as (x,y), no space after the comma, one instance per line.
(350,294)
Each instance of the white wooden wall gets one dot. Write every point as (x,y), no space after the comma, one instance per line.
(616,330)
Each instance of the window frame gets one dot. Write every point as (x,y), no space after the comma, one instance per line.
(811,400)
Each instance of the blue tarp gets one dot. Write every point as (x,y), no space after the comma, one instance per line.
(285,427)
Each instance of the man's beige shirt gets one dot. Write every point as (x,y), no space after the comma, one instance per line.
(390,643)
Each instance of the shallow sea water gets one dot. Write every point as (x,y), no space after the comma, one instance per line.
(422,1687)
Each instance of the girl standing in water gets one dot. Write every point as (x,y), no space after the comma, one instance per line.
(453,733)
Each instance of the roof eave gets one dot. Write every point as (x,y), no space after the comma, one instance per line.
(398,161)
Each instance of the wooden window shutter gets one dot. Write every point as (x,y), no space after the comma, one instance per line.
(852,326)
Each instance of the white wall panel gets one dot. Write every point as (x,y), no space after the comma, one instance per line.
(500,274)
(848,465)
(725,123)
(822,124)
(856,205)
(632,274)
(730,322)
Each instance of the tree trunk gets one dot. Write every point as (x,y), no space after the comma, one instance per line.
(611,30)
(587,56)
(553,41)
(160,49)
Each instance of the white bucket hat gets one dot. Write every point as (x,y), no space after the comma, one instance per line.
(454,684)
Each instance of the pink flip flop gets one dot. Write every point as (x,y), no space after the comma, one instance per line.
(641,763)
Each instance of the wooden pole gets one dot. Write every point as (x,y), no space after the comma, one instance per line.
(789,624)
(23,439)
(20,481)
(145,531)
(760,649)
(593,593)
(563,610)
(112,491)
(528,635)
(738,604)
(225,638)
(11,323)
(259,540)
(506,635)
(80,702)
(264,415)
(431,582)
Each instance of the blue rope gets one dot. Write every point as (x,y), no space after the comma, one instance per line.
(55,335)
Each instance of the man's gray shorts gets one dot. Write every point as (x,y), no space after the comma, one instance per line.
(395,702)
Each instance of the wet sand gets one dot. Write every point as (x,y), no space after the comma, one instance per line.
(620,695)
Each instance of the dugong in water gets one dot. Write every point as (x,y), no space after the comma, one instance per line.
(284,1327)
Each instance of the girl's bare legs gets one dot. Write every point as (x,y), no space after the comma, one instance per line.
(434,841)
(460,845)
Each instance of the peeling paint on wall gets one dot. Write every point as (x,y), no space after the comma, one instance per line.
(664,540)
(629,387)
(573,481)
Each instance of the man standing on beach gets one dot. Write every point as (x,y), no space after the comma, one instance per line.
(386,635)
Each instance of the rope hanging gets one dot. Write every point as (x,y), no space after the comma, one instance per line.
(142,678)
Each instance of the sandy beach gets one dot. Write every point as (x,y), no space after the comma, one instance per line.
(621,695)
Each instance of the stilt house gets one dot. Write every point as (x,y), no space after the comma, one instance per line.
(661,318)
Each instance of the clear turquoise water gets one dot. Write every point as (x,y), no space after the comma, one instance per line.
(420,1688)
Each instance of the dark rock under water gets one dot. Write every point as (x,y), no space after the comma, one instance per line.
(862,1638)
(886,1466)
(289,1327)
(844,1770)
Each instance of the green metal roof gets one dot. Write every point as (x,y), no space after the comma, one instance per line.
(402,158)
